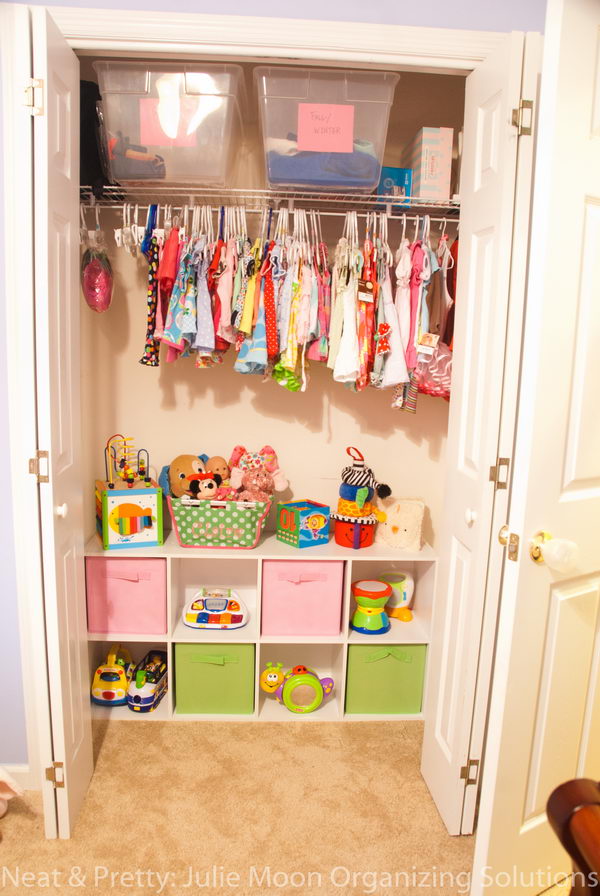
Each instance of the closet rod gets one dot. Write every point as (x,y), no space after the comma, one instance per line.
(259,211)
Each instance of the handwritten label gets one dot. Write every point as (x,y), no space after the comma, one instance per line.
(325,127)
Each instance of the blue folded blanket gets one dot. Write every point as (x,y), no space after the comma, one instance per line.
(324,169)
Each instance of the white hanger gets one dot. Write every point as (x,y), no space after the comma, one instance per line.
(83,227)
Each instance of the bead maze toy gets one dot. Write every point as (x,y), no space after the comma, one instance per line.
(299,689)
(128,501)
(123,461)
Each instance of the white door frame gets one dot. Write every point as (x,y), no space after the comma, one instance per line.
(111,31)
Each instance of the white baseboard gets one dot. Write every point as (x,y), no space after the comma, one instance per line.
(23,775)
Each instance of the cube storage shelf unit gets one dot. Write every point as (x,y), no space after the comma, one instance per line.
(329,654)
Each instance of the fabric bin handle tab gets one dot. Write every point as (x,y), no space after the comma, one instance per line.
(214,659)
(396,652)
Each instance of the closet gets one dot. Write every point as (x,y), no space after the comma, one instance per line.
(187,409)
(90,385)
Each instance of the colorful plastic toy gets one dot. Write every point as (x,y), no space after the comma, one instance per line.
(303,524)
(111,680)
(371,596)
(220,608)
(356,515)
(300,689)
(149,682)
(123,461)
(399,605)
(129,501)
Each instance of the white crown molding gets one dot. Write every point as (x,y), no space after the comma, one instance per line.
(128,31)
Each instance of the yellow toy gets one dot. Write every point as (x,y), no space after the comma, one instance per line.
(272,678)
(111,680)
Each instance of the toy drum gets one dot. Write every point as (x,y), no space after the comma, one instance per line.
(399,606)
(370,617)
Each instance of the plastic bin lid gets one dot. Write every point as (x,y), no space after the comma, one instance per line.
(199,79)
(291,82)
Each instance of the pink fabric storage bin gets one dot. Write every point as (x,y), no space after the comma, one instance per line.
(127,596)
(302,597)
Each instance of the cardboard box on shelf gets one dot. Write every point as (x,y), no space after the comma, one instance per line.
(430,157)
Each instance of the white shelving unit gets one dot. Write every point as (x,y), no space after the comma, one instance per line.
(190,568)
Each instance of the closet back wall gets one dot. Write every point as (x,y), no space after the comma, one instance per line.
(178,409)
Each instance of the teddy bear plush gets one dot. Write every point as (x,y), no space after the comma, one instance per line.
(257,485)
(184,471)
(219,465)
(242,461)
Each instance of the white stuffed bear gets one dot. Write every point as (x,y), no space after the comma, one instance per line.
(403,527)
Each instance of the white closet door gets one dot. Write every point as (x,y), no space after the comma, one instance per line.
(57,302)
(544,723)
(488,178)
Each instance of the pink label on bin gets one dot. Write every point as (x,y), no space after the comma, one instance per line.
(325,127)
(169,126)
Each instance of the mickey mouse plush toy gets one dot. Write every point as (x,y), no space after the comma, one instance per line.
(205,485)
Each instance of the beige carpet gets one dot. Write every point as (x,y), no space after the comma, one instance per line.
(300,799)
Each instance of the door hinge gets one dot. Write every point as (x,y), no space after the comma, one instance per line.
(39,466)
(34,96)
(56,774)
(522,118)
(496,473)
(469,773)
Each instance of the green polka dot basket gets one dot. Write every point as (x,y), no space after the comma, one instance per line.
(218,524)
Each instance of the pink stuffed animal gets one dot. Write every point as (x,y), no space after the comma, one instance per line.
(257,485)
(242,461)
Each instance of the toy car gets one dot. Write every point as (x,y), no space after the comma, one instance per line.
(111,680)
(149,683)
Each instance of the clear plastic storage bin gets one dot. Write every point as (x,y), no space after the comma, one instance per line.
(170,122)
(324,129)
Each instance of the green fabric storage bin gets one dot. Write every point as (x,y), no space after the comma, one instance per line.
(214,678)
(386,678)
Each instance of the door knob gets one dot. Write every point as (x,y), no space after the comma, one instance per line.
(470,516)
(503,536)
(61,510)
(558,554)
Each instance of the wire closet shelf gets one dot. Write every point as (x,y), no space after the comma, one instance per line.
(327,203)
